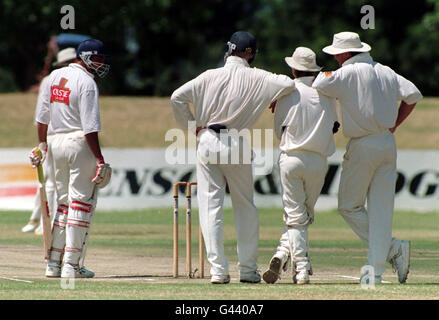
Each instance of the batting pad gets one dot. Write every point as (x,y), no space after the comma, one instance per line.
(59,235)
(78,224)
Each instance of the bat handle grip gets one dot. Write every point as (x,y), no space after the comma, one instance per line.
(40,174)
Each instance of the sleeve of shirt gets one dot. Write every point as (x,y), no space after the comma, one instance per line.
(279,85)
(281,112)
(42,112)
(329,83)
(89,111)
(407,91)
(333,106)
(180,100)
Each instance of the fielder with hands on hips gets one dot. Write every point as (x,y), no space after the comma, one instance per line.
(368,93)
(71,107)
(226,98)
(304,121)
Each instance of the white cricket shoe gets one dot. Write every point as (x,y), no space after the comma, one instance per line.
(253,277)
(220,279)
(71,271)
(30,227)
(278,263)
(301,277)
(401,261)
(53,269)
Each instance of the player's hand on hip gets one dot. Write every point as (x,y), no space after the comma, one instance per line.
(198,130)
(335,127)
(273,106)
(103,174)
(38,154)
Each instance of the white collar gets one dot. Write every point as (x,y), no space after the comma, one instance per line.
(306,80)
(362,57)
(77,65)
(237,60)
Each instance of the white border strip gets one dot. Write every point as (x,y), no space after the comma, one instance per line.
(15,279)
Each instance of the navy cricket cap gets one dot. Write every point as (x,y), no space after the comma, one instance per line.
(91,46)
(244,42)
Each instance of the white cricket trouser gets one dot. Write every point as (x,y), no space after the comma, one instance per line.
(369,173)
(49,177)
(302,177)
(284,242)
(75,166)
(212,179)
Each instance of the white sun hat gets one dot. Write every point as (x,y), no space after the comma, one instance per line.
(346,42)
(65,55)
(303,59)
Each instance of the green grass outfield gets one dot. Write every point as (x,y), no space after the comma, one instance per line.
(131,253)
(142,122)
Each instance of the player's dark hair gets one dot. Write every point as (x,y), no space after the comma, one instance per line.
(353,54)
(300,74)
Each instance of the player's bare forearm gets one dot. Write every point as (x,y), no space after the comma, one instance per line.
(42,132)
(93,142)
(403,112)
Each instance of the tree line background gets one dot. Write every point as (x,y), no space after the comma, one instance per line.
(157,45)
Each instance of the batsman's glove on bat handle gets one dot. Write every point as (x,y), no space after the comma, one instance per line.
(103,174)
(38,154)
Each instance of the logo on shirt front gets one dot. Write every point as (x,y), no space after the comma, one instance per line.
(60,93)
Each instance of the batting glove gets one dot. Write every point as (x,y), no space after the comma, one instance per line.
(38,154)
(103,174)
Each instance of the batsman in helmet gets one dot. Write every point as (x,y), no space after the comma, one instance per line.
(70,106)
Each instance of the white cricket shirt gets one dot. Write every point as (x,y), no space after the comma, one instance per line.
(308,118)
(43,86)
(70,101)
(368,93)
(234,95)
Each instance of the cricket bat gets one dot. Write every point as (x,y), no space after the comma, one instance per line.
(45,214)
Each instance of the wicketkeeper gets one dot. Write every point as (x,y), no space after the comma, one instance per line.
(71,107)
